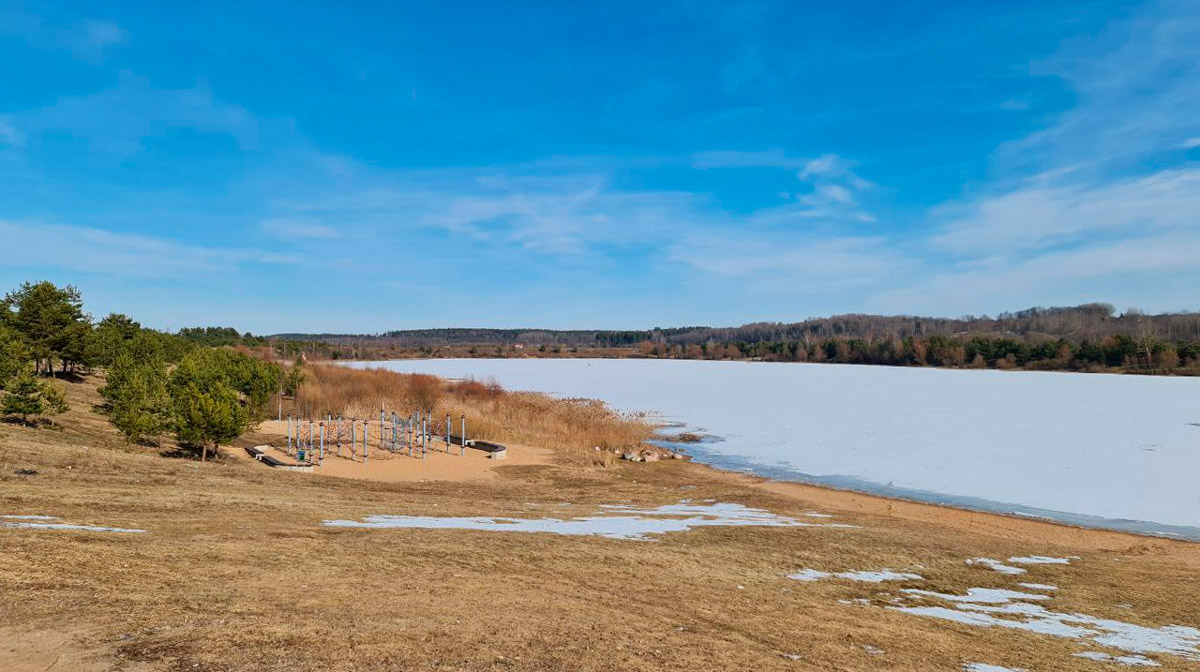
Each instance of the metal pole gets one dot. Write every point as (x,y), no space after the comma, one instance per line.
(339,435)
(447,432)
(321,459)
(366,444)
(462,449)
(353,439)
(289,434)
(309,447)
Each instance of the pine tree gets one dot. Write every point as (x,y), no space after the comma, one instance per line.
(13,356)
(28,397)
(139,404)
(50,319)
(208,415)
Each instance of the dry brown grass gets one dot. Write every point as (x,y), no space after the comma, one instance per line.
(237,573)
(576,427)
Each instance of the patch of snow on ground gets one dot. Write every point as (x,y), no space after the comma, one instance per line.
(619,521)
(979,595)
(984,667)
(864,576)
(996,566)
(1038,586)
(1132,661)
(1041,560)
(22,517)
(1009,609)
(23,522)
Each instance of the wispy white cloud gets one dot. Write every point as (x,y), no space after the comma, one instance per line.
(769,158)
(102,33)
(1092,273)
(1136,86)
(116,122)
(801,265)
(9,134)
(1038,217)
(298,228)
(90,250)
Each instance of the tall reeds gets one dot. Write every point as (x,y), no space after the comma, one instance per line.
(575,427)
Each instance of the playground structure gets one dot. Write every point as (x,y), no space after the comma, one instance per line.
(310,440)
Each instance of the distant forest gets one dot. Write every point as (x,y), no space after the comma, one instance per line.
(1090,337)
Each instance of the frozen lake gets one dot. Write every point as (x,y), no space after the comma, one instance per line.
(1120,452)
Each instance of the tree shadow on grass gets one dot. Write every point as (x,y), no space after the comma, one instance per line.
(32,423)
(187,451)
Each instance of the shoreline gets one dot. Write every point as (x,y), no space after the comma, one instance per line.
(926,490)
(476,468)
(1137,528)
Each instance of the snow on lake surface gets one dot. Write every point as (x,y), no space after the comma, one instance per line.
(618,522)
(1103,450)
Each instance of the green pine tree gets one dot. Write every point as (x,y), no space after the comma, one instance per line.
(30,398)
(139,403)
(14,357)
(208,415)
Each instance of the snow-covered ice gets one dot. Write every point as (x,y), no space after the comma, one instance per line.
(1062,445)
(618,522)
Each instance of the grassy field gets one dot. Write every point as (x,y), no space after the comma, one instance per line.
(235,572)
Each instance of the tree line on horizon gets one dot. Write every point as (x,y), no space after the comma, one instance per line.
(1089,337)
(202,384)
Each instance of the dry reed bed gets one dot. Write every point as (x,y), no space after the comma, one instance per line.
(575,427)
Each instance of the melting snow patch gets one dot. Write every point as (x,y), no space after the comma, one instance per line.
(1010,609)
(1133,661)
(24,522)
(980,595)
(984,667)
(16,517)
(996,566)
(1042,560)
(1038,586)
(620,522)
(867,577)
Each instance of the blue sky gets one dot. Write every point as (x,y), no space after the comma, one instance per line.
(311,167)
